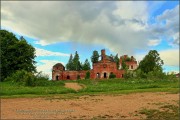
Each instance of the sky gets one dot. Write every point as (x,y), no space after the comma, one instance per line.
(59,28)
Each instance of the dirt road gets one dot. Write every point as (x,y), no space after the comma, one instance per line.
(84,107)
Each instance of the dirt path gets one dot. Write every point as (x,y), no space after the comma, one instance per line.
(84,107)
(74,86)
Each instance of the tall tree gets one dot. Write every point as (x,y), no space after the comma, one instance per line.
(69,65)
(116,59)
(86,65)
(15,54)
(76,62)
(95,57)
(151,62)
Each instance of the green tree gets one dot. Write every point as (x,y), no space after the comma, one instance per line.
(79,66)
(76,62)
(116,59)
(112,75)
(124,66)
(151,62)
(15,54)
(86,65)
(69,65)
(95,57)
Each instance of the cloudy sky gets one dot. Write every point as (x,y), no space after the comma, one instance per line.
(58,28)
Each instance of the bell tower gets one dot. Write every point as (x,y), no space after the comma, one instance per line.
(103,54)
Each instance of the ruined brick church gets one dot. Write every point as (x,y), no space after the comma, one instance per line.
(100,70)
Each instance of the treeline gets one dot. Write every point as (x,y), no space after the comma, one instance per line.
(75,64)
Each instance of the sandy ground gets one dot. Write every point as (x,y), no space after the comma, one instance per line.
(74,86)
(84,107)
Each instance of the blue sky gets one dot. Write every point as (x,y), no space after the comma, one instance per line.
(57,29)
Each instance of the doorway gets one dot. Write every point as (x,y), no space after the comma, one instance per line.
(57,77)
(105,75)
(68,77)
(97,75)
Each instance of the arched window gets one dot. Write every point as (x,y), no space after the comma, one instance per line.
(131,66)
(97,75)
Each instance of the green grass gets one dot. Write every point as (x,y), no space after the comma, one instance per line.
(166,112)
(120,85)
(93,87)
(10,89)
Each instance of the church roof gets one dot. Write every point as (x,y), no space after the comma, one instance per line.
(58,64)
(109,58)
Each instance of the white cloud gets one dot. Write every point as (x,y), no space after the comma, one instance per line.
(46,66)
(132,10)
(43,52)
(167,25)
(154,42)
(121,26)
(118,25)
(170,57)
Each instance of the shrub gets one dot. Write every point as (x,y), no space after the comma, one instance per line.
(22,77)
(112,75)
(129,74)
(78,77)
(140,74)
(156,74)
(87,75)
(25,78)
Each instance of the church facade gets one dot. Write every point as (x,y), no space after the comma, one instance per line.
(100,70)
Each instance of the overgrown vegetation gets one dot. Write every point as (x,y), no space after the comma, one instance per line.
(87,75)
(129,85)
(109,86)
(10,89)
(24,78)
(166,112)
(112,75)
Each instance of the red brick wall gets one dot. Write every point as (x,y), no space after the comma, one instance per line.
(104,67)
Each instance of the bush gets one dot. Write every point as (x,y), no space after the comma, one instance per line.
(25,78)
(78,77)
(22,77)
(112,75)
(140,74)
(87,75)
(129,74)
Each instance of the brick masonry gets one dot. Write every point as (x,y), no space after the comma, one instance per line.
(100,70)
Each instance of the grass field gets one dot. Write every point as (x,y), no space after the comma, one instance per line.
(110,86)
